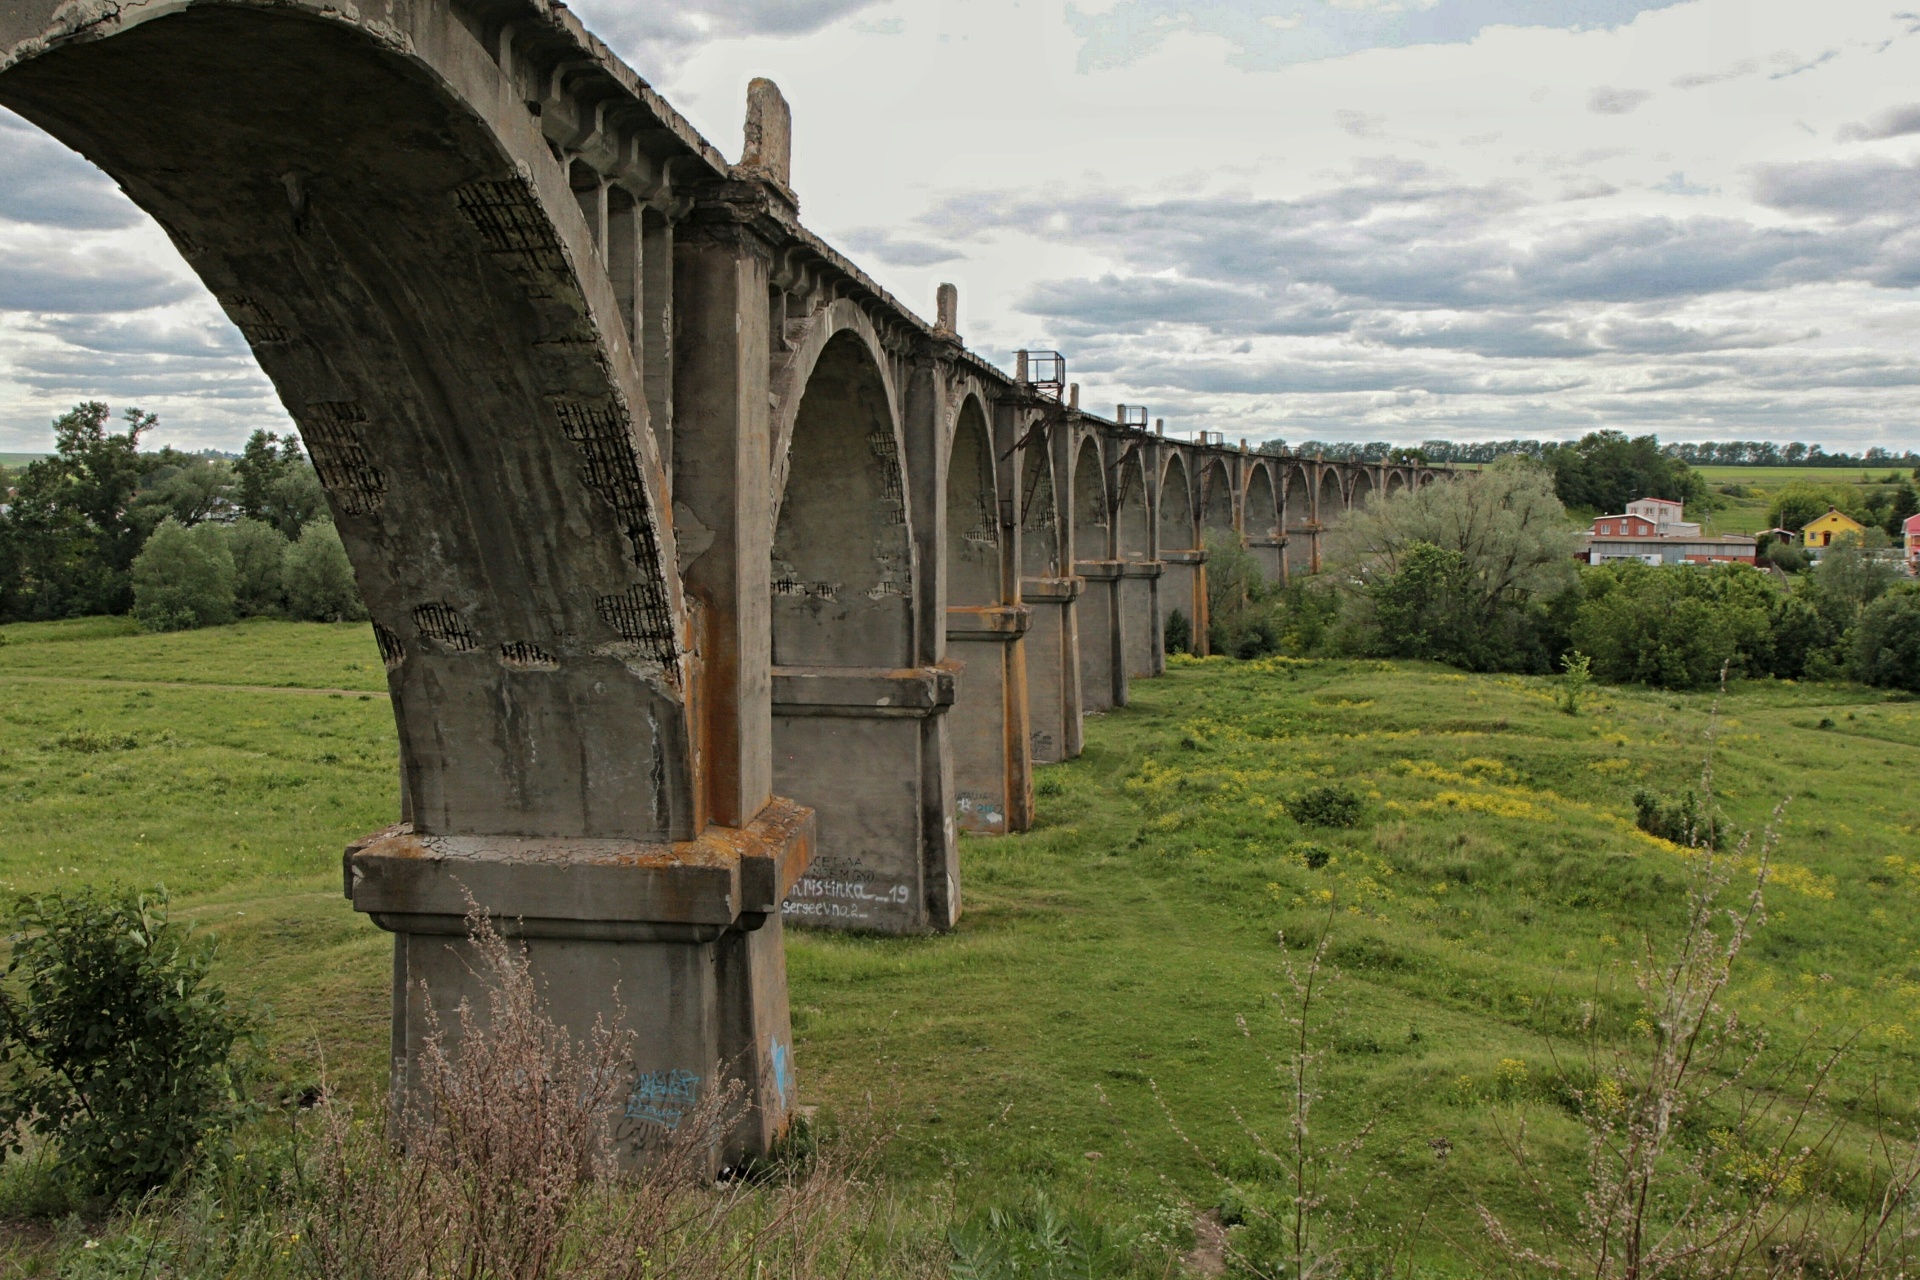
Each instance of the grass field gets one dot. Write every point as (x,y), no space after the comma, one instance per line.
(1089,999)
(1747,512)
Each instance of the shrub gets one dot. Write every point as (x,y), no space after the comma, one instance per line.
(1177,634)
(1334,805)
(1886,646)
(259,568)
(115,1044)
(1678,819)
(319,578)
(183,578)
(1240,619)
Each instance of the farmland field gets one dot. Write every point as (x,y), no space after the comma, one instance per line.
(1494,886)
(1746,511)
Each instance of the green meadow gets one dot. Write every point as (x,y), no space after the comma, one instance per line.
(1746,510)
(1104,1025)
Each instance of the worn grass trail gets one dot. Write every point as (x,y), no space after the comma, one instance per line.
(1090,1000)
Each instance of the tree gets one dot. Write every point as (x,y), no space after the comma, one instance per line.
(276,483)
(1239,616)
(186,487)
(1847,579)
(1674,626)
(259,568)
(1425,610)
(319,577)
(1801,501)
(1886,647)
(183,578)
(1511,551)
(1605,471)
(1906,505)
(67,544)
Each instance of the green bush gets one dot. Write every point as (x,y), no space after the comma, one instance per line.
(1886,646)
(114,1043)
(259,568)
(1240,615)
(319,578)
(183,578)
(1177,633)
(1677,819)
(1674,626)
(1334,805)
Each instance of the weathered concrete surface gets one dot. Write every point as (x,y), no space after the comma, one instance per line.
(663,510)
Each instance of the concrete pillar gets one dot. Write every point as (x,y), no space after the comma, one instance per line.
(1139,605)
(988,726)
(1053,667)
(1103,670)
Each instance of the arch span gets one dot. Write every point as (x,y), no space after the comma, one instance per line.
(1102,672)
(1138,595)
(1362,491)
(1260,519)
(428,287)
(988,724)
(1050,590)
(1182,584)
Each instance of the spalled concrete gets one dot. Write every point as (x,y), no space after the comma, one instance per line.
(717,590)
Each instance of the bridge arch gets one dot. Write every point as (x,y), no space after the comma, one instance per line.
(1298,517)
(1138,595)
(463,382)
(1217,501)
(1260,520)
(842,555)
(1331,499)
(1396,481)
(841,322)
(1039,513)
(974,576)
(1177,523)
(1091,512)
(1362,490)
(1102,673)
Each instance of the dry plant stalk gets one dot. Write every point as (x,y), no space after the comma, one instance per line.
(511,1173)
(1319,1240)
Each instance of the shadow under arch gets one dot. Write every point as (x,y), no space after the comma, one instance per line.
(1396,481)
(1260,521)
(1331,503)
(1297,519)
(987,726)
(850,711)
(1049,589)
(1183,587)
(1101,672)
(1362,490)
(1216,502)
(417,302)
(1138,595)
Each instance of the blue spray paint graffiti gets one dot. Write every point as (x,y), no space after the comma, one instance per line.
(782,1070)
(663,1097)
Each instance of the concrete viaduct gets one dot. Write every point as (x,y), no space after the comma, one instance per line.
(716,589)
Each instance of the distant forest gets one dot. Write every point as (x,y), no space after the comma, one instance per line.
(1732,453)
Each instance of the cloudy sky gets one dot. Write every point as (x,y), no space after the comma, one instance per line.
(1342,219)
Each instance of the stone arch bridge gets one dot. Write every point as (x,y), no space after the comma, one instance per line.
(714,586)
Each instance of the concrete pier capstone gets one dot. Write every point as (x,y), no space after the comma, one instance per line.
(716,589)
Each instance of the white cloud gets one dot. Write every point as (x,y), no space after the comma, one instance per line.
(1266,217)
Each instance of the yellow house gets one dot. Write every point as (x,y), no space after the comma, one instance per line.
(1822,530)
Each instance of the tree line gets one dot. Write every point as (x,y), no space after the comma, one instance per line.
(1730,453)
(176,539)
(1479,573)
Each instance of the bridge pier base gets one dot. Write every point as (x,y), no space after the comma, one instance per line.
(678,944)
(869,749)
(1053,668)
(1103,673)
(1140,647)
(993,783)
